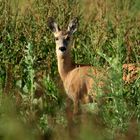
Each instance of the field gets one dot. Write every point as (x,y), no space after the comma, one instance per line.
(32,98)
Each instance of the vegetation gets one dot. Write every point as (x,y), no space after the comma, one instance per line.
(32,100)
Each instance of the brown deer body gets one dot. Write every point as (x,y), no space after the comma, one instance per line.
(76,78)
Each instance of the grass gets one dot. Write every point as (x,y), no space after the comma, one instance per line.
(32,100)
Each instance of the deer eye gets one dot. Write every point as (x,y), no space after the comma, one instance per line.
(67,38)
(56,38)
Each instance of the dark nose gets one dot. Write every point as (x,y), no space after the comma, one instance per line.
(62,49)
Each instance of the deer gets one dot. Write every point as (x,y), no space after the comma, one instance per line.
(77,78)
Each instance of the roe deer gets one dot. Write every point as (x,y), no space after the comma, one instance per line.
(76,78)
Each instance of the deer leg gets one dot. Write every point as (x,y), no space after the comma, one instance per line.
(69,116)
(76,106)
(68,109)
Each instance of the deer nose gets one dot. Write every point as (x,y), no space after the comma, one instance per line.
(62,49)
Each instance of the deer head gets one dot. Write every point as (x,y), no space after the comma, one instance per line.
(62,37)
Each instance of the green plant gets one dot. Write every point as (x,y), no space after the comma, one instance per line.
(107,37)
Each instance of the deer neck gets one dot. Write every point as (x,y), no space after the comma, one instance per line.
(65,65)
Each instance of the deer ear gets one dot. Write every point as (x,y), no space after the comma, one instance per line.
(53,25)
(72,27)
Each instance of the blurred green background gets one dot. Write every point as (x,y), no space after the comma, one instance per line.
(32,100)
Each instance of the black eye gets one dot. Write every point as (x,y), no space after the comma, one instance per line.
(68,38)
(56,38)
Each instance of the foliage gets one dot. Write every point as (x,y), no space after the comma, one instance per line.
(108,36)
